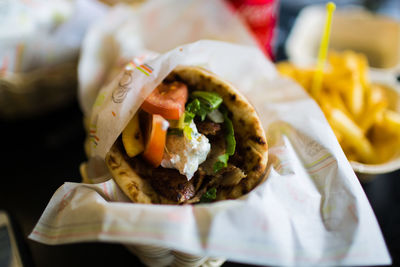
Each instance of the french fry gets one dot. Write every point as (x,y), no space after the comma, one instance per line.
(363,70)
(339,136)
(376,95)
(372,114)
(391,120)
(379,133)
(303,77)
(351,154)
(355,98)
(338,103)
(386,138)
(286,69)
(384,149)
(355,136)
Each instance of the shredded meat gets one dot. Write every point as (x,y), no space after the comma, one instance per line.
(231,175)
(198,179)
(171,184)
(218,148)
(167,182)
(208,127)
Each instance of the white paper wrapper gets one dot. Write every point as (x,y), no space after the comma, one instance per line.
(154,27)
(311,210)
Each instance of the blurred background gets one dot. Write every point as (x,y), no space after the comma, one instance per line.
(41,120)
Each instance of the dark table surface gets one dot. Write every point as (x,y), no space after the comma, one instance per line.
(40,153)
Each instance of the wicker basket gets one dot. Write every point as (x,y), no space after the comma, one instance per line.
(38,91)
(156,256)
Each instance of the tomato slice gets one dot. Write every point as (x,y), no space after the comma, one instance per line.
(167,100)
(155,136)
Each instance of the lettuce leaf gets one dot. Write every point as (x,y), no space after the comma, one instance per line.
(230,142)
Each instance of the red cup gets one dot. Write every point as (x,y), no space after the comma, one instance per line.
(261,18)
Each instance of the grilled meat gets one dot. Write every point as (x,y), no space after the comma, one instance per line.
(208,127)
(171,184)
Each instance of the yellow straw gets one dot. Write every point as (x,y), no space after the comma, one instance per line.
(323,50)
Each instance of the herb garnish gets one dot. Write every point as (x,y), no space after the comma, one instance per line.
(209,196)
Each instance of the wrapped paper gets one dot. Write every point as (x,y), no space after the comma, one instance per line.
(154,27)
(311,210)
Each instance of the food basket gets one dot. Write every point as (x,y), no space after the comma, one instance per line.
(352,29)
(37,91)
(161,256)
(366,172)
(39,50)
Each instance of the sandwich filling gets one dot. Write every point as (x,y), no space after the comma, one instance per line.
(186,154)
(180,147)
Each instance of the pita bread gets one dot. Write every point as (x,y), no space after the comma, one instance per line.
(250,138)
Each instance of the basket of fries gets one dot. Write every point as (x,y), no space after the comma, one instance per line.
(363,111)
(359,94)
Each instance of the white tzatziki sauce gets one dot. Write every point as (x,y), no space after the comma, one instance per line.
(185,154)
